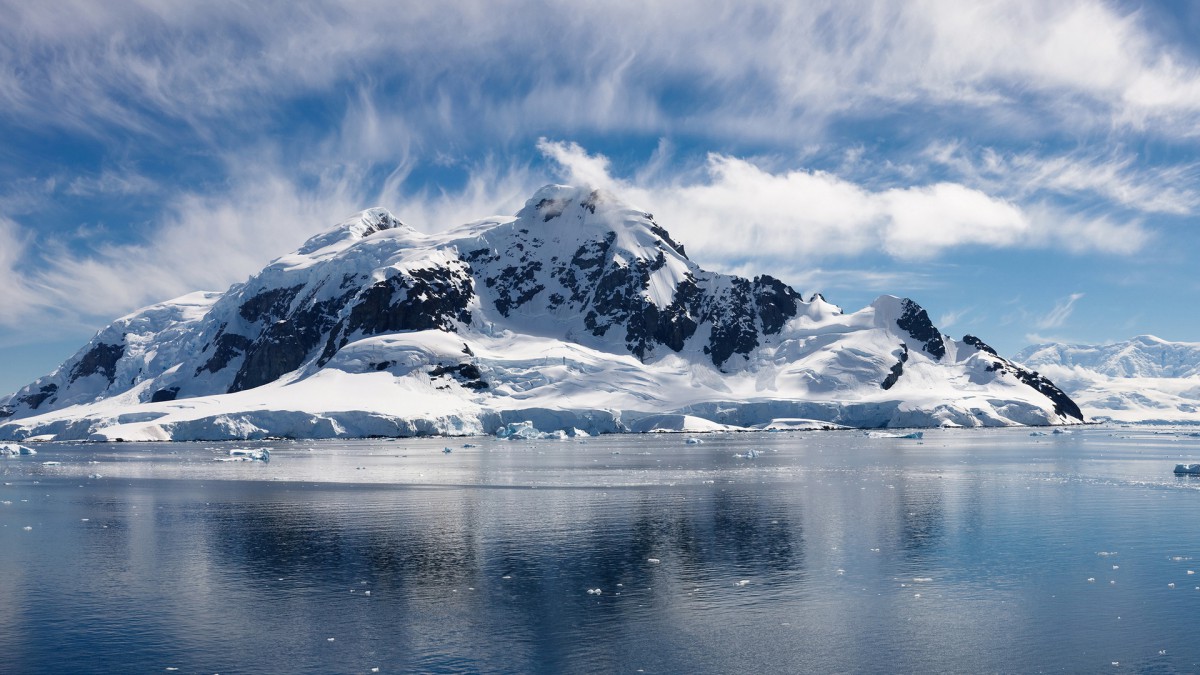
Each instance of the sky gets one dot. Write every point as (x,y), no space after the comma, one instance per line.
(1026,171)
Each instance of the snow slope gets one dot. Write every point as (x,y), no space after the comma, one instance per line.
(1145,379)
(579,312)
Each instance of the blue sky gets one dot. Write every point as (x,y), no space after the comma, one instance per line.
(1027,171)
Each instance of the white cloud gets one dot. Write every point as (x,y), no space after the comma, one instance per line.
(759,69)
(1114,176)
(17,293)
(814,215)
(579,168)
(1062,310)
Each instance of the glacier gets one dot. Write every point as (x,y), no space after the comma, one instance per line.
(1141,380)
(580,312)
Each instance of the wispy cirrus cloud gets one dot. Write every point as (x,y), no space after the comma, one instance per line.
(1062,310)
(1112,175)
(758,70)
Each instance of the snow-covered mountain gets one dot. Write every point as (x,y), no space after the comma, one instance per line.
(579,312)
(1145,379)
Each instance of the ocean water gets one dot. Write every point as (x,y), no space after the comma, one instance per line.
(965,551)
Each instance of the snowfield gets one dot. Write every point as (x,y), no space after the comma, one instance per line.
(1142,380)
(580,313)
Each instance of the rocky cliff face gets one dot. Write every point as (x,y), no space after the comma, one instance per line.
(575,266)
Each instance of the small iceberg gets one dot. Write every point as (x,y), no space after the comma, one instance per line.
(1187,469)
(246,455)
(14,450)
(447,451)
(520,431)
(525,431)
(884,434)
(749,454)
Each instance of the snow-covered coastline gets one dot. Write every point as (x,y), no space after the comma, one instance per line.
(581,312)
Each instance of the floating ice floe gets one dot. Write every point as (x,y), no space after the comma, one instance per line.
(749,454)
(693,441)
(14,450)
(884,434)
(447,450)
(526,431)
(1187,469)
(246,455)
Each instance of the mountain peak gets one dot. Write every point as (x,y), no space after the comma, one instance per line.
(360,225)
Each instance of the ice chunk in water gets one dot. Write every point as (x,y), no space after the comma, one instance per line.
(14,450)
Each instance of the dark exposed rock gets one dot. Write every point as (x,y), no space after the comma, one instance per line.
(7,410)
(100,359)
(665,236)
(551,208)
(1063,405)
(897,369)
(776,301)
(467,374)
(585,269)
(228,347)
(268,304)
(592,200)
(163,395)
(733,330)
(979,344)
(421,299)
(915,321)
(431,298)
(516,285)
(383,365)
(286,344)
(32,401)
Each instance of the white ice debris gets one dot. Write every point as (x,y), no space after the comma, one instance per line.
(524,431)
(884,434)
(749,454)
(693,441)
(14,450)
(246,455)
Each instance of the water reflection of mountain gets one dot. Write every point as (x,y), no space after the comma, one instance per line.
(423,551)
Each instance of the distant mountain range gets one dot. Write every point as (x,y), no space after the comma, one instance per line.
(579,314)
(1145,379)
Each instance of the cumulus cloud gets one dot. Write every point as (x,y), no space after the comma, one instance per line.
(817,215)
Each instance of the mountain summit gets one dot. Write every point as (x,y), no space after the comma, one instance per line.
(579,313)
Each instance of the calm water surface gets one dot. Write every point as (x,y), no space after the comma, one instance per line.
(967,551)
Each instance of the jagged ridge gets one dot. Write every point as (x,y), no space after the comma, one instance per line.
(577,271)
